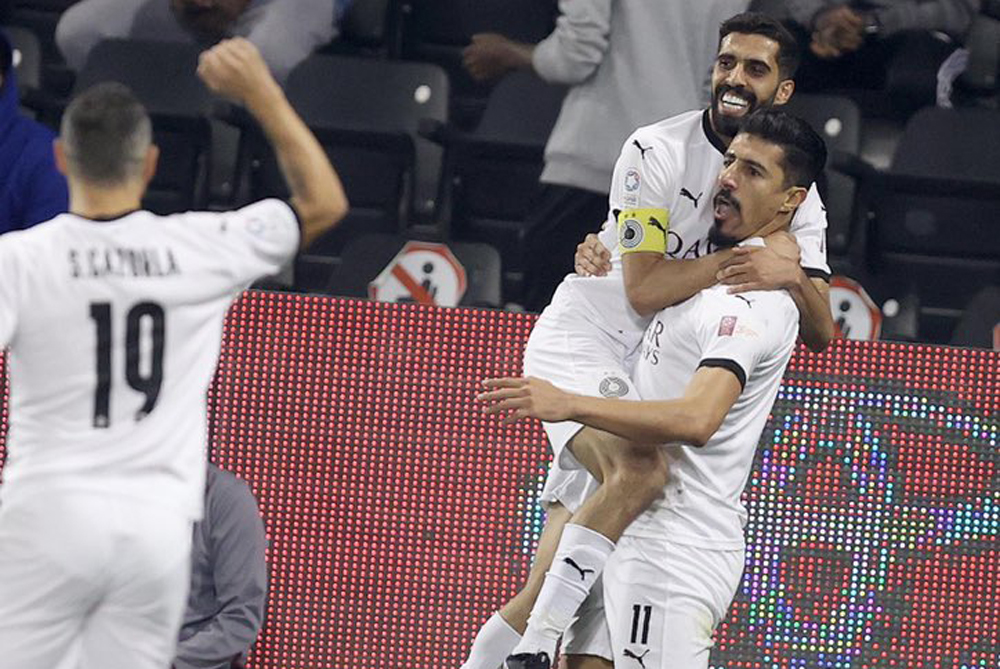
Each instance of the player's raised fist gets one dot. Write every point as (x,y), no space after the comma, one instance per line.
(235,69)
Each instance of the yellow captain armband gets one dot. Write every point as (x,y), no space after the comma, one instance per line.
(643,230)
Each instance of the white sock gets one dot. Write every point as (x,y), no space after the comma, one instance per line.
(495,641)
(579,561)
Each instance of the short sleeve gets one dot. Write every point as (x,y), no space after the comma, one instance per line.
(9,286)
(809,227)
(643,176)
(262,238)
(733,336)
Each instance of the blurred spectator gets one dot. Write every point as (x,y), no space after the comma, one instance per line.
(286,32)
(969,76)
(630,64)
(892,45)
(31,188)
(228,595)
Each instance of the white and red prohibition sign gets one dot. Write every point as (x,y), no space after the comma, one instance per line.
(421,272)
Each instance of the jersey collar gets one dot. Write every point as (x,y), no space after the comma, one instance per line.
(713,137)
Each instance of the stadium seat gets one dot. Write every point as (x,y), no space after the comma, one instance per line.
(367,255)
(838,120)
(180,112)
(368,28)
(366,113)
(41,18)
(493,171)
(934,216)
(28,61)
(436,31)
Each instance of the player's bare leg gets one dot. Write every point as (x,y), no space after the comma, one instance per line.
(501,633)
(632,477)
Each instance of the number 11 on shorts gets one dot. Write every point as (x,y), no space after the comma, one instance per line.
(640,623)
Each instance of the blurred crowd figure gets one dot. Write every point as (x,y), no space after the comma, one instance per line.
(285,32)
(228,596)
(31,188)
(896,46)
(608,52)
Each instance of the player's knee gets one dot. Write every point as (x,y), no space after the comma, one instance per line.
(633,490)
(639,478)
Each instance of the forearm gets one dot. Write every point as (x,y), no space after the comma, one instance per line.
(948,16)
(646,422)
(815,318)
(230,634)
(654,282)
(317,194)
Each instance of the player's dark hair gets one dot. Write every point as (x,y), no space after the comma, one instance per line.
(106,132)
(755,23)
(804,151)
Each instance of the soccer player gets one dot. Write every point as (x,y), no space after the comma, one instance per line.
(113,318)
(709,369)
(584,340)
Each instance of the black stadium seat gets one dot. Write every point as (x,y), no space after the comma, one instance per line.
(493,170)
(934,216)
(180,112)
(366,113)
(838,120)
(436,31)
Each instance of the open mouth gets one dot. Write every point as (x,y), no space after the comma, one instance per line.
(733,103)
(724,207)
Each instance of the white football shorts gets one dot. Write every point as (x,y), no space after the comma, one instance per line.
(91,582)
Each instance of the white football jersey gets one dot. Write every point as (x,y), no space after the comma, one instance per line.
(675,165)
(114,329)
(753,335)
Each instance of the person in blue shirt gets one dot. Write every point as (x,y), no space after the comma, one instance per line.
(31,188)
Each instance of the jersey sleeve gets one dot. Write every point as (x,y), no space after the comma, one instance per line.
(733,336)
(809,228)
(643,175)
(261,238)
(9,286)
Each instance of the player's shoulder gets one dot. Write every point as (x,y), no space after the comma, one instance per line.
(768,308)
(673,133)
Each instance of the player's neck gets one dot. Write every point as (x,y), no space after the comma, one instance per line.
(103,203)
(782,221)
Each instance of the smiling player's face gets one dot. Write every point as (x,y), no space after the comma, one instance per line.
(745,78)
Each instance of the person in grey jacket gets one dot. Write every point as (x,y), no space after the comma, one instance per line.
(284,32)
(629,64)
(228,595)
(877,44)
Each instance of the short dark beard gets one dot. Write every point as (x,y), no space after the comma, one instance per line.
(720,240)
(728,126)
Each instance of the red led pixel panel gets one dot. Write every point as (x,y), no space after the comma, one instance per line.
(400,517)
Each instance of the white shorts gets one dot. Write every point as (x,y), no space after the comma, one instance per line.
(91,582)
(567,349)
(664,600)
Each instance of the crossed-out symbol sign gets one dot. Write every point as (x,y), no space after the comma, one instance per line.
(422,272)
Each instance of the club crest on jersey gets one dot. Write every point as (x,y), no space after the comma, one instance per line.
(727,326)
(632,181)
(632,234)
(612,386)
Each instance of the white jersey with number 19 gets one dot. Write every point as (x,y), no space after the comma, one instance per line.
(114,330)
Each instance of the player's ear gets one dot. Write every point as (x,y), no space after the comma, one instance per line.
(785,90)
(794,197)
(150,163)
(59,149)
